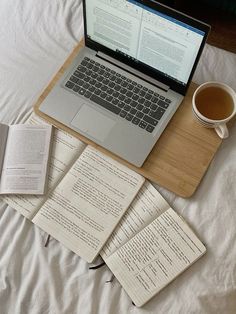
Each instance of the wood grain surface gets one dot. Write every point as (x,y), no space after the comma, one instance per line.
(181,156)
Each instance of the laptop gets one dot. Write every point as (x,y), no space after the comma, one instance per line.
(127,82)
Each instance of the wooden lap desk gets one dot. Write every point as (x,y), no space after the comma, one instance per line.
(181,156)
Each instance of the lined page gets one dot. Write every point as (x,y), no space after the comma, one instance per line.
(88,203)
(147,205)
(155,256)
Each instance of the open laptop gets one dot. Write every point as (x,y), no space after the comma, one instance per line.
(127,82)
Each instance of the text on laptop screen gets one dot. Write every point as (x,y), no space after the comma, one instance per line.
(145,35)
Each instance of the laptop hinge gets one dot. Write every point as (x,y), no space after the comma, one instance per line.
(131,70)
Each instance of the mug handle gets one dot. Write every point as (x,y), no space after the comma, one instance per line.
(222,130)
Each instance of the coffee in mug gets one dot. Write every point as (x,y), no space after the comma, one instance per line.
(214,104)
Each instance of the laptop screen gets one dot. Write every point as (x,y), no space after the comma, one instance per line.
(146,36)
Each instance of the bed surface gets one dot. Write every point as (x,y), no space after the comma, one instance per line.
(35,39)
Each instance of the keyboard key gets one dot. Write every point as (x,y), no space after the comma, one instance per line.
(142,93)
(79,74)
(73,79)
(140,107)
(82,69)
(150,128)
(109,91)
(129,117)
(123,90)
(154,99)
(84,62)
(92,89)
(148,96)
(127,108)
(130,87)
(150,120)
(76,88)
(70,84)
(141,100)
(98,85)
(161,97)
(163,104)
(135,121)
(133,111)
(87,94)
(106,75)
(146,110)
(86,85)
(88,72)
(157,114)
(142,124)
(111,84)
(109,98)
(100,72)
(105,104)
(92,81)
(139,114)
(153,107)
(117,87)
(115,94)
(168,100)
(118,80)
(121,97)
(147,103)
(86,78)
(123,114)
(120,104)
(115,101)
(81,91)
(135,97)
(103,95)
(127,100)
(104,88)
(105,81)
(97,91)
(89,65)
(133,104)
(129,94)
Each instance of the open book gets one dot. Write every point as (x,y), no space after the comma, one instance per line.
(97,206)
(24,156)
(150,247)
(88,194)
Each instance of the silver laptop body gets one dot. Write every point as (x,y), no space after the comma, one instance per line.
(139,49)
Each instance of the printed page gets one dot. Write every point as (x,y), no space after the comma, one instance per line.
(147,205)
(3,140)
(64,150)
(26,158)
(155,256)
(88,203)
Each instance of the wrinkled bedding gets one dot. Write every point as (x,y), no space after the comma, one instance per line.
(35,39)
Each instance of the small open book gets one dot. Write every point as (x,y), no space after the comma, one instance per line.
(24,156)
(150,247)
(96,206)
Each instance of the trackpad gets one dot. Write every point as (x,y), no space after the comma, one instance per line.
(93,122)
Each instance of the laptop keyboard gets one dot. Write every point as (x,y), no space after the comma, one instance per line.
(122,96)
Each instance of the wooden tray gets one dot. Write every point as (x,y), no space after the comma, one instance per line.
(181,156)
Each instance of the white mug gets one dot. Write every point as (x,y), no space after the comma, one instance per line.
(214,104)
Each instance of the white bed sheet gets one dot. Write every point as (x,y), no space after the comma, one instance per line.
(36,36)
